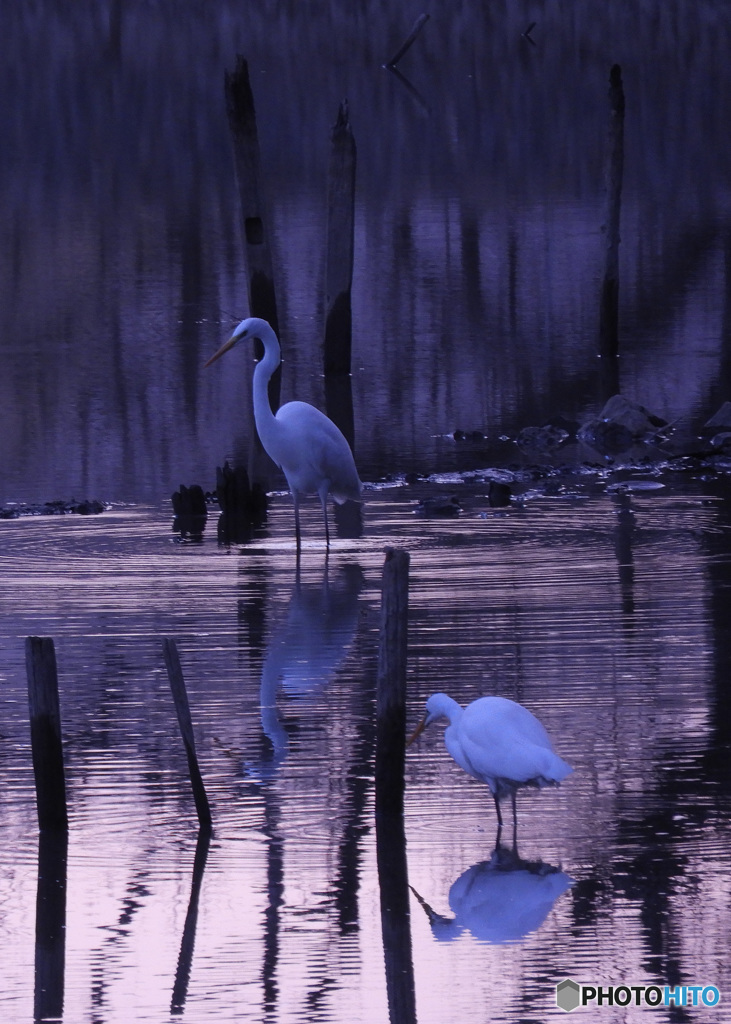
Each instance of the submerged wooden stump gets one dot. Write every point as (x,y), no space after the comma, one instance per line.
(243,504)
(191,511)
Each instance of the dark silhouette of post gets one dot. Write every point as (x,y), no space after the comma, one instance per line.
(260,277)
(391,683)
(47,748)
(182,708)
(393,882)
(50,951)
(393,877)
(45,733)
(609,302)
(187,943)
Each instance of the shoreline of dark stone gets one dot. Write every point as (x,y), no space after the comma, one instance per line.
(87,507)
(609,450)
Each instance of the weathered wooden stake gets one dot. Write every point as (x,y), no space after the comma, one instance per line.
(418,26)
(182,708)
(609,303)
(45,733)
(391,684)
(242,122)
(393,877)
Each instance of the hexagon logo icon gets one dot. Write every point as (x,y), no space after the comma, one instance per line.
(568,995)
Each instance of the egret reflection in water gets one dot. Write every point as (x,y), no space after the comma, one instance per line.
(499,900)
(306,649)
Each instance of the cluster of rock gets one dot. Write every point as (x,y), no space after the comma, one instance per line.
(53,508)
(624,428)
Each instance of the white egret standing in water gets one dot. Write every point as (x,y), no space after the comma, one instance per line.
(498,742)
(307,446)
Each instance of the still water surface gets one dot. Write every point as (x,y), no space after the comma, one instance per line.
(602,617)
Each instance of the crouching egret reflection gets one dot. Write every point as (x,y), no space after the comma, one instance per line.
(499,900)
(498,742)
(307,446)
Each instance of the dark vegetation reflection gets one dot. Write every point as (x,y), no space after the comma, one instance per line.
(50,962)
(479,252)
(187,942)
(652,858)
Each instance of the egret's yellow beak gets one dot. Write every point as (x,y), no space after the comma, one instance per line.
(417,731)
(224,348)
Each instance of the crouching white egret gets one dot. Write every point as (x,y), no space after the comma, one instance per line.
(498,742)
(307,446)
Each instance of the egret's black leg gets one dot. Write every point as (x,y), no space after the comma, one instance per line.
(515,823)
(298,536)
(327,528)
(499,813)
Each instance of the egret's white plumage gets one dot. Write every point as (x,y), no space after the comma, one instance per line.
(497,742)
(307,446)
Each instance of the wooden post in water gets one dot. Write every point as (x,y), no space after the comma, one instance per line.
(182,708)
(260,279)
(45,733)
(609,303)
(391,683)
(393,879)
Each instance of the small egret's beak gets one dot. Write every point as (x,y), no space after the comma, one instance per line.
(417,731)
(224,348)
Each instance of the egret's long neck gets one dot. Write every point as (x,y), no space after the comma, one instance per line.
(266,366)
(442,704)
(453,711)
